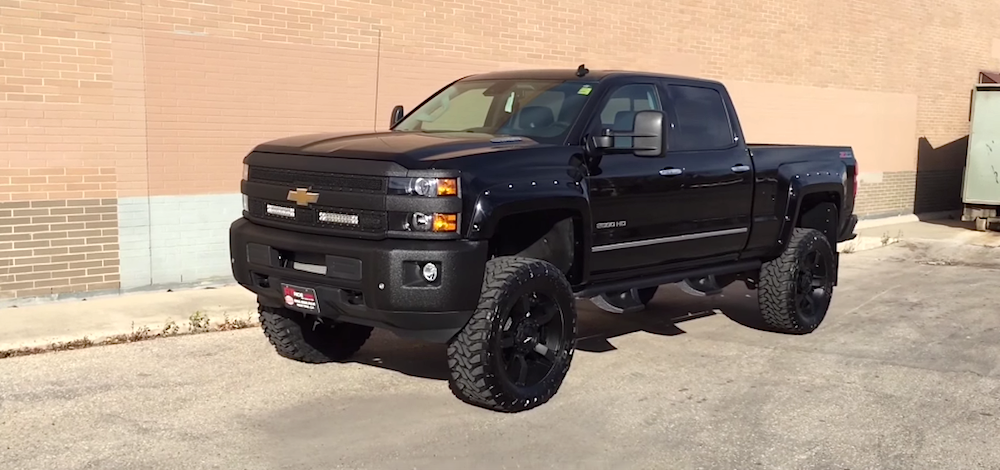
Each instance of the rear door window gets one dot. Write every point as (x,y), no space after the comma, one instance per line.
(700,120)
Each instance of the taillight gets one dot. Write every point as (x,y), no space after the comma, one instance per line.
(857,171)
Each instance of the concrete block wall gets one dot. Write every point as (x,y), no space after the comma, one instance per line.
(169,95)
(176,240)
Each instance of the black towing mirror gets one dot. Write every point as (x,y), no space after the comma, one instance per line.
(647,139)
(397,115)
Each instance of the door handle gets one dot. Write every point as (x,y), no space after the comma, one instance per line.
(740,168)
(671,171)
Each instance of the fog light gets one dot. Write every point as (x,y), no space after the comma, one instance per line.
(246,203)
(337,218)
(281,211)
(430,272)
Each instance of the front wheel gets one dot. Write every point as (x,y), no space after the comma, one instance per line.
(305,338)
(516,350)
(796,288)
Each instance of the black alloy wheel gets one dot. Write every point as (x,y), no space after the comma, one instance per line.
(531,340)
(813,285)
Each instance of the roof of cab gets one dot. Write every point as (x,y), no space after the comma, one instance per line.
(571,74)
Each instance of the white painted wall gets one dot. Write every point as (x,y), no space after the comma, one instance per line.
(175,240)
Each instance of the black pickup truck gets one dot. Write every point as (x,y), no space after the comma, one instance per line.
(481,216)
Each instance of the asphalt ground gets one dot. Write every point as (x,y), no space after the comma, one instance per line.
(902,375)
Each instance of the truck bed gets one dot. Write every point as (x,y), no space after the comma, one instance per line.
(768,158)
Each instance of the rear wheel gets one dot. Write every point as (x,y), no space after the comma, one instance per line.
(796,288)
(516,350)
(305,338)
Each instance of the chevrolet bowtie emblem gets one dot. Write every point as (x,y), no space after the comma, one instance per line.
(302,196)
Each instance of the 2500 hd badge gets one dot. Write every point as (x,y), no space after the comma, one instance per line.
(617,223)
(482,217)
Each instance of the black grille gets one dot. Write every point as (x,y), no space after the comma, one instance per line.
(374,222)
(327,181)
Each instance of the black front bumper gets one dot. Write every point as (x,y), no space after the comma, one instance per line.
(374,283)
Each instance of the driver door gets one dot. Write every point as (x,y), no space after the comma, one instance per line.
(629,196)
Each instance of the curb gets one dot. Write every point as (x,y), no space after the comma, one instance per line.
(904,219)
(131,335)
(864,244)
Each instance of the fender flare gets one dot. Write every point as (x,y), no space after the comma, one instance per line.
(494,204)
(796,181)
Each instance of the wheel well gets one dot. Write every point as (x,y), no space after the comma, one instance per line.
(550,235)
(820,211)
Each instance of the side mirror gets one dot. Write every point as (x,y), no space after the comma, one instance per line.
(647,139)
(397,115)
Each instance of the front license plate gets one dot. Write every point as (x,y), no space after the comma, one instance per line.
(302,298)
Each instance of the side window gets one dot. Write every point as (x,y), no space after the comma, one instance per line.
(619,111)
(700,120)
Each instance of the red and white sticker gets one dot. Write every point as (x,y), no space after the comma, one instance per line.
(300,297)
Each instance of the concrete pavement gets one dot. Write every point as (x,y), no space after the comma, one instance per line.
(905,374)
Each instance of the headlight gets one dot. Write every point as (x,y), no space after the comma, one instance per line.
(426,187)
(436,222)
(246,172)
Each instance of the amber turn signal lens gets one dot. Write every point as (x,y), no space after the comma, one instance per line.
(447,187)
(445,222)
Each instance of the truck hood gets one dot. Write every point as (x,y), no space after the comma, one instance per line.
(408,149)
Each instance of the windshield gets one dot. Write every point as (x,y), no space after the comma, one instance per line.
(542,110)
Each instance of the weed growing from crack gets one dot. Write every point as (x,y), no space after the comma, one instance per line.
(140,334)
(235,324)
(198,322)
(888,240)
(81,343)
(170,328)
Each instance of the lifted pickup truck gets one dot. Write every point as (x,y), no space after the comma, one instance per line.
(481,216)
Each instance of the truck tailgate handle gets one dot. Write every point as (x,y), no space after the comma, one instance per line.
(740,168)
(671,171)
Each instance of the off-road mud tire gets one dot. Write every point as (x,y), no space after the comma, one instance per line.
(473,354)
(303,338)
(776,292)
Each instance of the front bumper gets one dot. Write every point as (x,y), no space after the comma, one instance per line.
(374,283)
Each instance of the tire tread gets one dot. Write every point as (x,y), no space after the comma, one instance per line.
(331,343)
(776,293)
(472,380)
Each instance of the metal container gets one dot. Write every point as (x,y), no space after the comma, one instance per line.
(981,182)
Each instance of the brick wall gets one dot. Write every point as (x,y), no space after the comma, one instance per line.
(909,192)
(154,88)
(58,231)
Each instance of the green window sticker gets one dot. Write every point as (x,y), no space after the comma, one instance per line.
(584,90)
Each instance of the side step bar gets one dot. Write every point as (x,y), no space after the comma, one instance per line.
(667,278)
